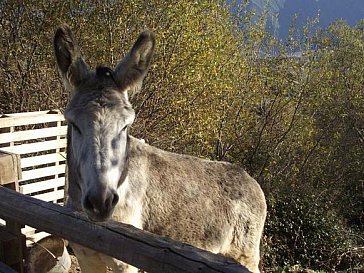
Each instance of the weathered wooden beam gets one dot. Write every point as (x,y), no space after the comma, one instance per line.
(6,269)
(139,248)
(12,246)
(19,119)
(10,171)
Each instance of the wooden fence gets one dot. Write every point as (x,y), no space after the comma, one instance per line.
(142,249)
(39,138)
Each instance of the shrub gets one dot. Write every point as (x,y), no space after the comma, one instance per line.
(304,230)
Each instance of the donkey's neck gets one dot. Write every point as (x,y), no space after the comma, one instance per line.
(132,189)
(137,165)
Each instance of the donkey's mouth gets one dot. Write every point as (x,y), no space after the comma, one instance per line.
(96,217)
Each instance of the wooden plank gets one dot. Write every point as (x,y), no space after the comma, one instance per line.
(50,196)
(42,159)
(31,118)
(28,230)
(10,171)
(42,185)
(33,134)
(35,237)
(31,233)
(6,269)
(43,172)
(36,147)
(12,244)
(22,114)
(141,249)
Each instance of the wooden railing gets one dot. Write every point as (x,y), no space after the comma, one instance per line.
(6,269)
(139,248)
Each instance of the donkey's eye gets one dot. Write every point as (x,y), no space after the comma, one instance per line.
(74,126)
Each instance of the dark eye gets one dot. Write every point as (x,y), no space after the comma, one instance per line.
(74,126)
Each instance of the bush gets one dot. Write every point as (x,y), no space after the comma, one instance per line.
(305,230)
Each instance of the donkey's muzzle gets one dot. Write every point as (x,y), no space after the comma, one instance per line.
(100,205)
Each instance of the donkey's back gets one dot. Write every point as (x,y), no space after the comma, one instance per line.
(213,205)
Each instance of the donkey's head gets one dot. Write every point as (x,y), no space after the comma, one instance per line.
(99,114)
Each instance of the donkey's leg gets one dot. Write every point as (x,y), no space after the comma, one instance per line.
(117,265)
(245,245)
(250,261)
(88,259)
(249,255)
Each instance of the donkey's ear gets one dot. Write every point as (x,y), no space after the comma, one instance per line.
(130,72)
(72,67)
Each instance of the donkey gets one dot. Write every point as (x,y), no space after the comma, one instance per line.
(212,205)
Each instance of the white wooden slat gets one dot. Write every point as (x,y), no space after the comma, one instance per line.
(32,236)
(50,196)
(35,237)
(33,118)
(42,159)
(43,172)
(30,118)
(33,134)
(28,230)
(22,114)
(42,185)
(36,147)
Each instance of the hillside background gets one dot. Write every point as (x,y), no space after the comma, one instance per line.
(283,13)
(223,87)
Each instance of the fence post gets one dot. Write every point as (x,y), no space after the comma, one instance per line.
(10,170)
(12,241)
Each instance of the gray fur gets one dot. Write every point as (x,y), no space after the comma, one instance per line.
(216,206)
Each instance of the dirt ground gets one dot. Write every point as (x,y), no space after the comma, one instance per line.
(74,267)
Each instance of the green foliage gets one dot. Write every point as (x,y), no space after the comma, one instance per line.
(222,88)
(305,230)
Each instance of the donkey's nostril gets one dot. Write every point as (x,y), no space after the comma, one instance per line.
(112,200)
(94,204)
(115,199)
(87,203)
